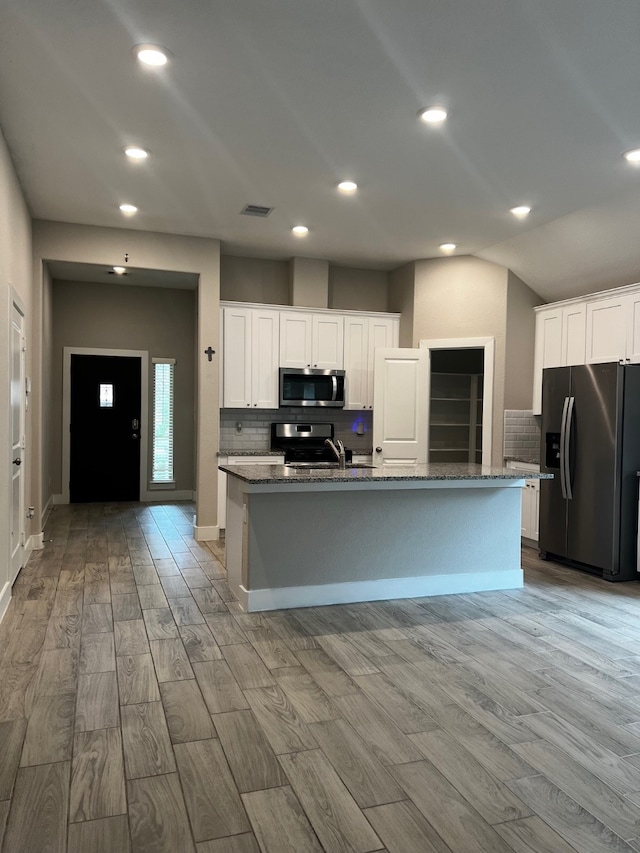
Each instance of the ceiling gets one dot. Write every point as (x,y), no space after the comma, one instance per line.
(272,102)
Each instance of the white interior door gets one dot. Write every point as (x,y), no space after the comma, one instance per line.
(17,450)
(400,406)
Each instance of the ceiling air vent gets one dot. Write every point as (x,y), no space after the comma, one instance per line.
(256,210)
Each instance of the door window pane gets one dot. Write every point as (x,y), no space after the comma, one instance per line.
(106,396)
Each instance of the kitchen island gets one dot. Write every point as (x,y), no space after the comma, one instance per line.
(297,537)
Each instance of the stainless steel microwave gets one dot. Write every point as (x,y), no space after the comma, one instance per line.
(308,386)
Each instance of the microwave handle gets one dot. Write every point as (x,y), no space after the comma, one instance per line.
(334,383)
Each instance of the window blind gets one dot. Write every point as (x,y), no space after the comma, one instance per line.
(163,370)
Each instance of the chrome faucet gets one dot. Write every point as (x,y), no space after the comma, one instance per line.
(339,451)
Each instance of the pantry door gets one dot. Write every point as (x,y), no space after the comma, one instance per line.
(400,406)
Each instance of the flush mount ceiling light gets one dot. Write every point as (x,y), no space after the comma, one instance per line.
(347,186)
(152,54)
(433,115)
(520,211)
(448,247)
(128,209)
(133,152)
(300,230)
(632,156)
(119,270)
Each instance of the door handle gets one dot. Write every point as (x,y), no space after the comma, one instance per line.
(17,462)
(567,441)
(378,450)
(135,423)
(135,435)
(563,432)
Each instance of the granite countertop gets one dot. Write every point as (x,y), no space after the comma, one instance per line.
(527,459)
(274,474)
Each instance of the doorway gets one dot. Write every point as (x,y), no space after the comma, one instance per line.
(460,399)
(104,425)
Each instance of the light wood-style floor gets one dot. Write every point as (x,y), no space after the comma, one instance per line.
(141,711)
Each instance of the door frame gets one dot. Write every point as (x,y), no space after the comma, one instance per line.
(16,301)
(488,345)
(143,355)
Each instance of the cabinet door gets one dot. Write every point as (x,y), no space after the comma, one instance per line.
(264,359)
(356,362)
(327,341)
(237,358)
(632,311)
(295,339)
(606,330)
(574,327)
(548,350)
(525,522)
(383,334)
(535,509)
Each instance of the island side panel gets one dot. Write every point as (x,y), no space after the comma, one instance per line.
(326,547)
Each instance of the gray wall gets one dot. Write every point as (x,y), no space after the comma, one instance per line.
(47,386)
(401,300)
(518,386)
(266,281)
(465,297)
(159,320)
(358,290)
(254,280)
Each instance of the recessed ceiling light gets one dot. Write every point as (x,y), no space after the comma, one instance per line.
(128,209)
(135,153)
(152,54)
(433,115)
(300,230)
(521,211)
(347,186)
(632,156)
(448,247)
(119,270)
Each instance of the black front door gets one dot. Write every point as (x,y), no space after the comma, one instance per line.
(105,428)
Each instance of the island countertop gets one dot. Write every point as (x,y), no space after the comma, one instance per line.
(433,471)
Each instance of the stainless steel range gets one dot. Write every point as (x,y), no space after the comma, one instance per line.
(304,444)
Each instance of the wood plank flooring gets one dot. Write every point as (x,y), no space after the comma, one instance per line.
(141,711)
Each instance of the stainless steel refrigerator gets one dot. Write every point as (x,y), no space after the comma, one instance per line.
(590,442)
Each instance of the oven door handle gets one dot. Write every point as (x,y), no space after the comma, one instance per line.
(334,385)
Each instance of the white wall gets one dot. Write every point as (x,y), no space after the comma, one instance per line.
(15,271)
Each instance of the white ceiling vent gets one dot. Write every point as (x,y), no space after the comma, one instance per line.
(256,210)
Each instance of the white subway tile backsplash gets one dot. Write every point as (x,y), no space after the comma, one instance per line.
(521,434)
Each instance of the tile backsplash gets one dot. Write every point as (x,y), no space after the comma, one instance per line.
(255,426)
(522,434)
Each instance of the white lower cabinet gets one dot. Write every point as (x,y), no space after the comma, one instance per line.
(530,500)
(222,479)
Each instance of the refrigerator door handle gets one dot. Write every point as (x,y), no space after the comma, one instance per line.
(567,443)
(563,432)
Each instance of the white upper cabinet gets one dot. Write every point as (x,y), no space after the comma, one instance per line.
(362,337)
(606,330)
(295,339)
(327,342)
(560,340)
(250,358)
(602,327)
(311,340)
(633,327)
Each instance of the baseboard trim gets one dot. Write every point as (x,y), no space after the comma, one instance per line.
(46,511)
(34,543)
(5,598)
(376,590)
(206,534)
(162,495)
